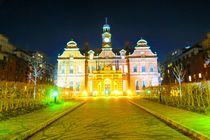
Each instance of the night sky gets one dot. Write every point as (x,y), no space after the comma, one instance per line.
(47,25)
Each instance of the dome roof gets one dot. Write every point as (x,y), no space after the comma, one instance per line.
(71,44)
(142,42)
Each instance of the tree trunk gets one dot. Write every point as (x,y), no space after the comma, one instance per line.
(35,88)
(180,89)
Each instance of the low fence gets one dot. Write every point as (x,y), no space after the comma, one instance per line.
(195,96)
(16,95)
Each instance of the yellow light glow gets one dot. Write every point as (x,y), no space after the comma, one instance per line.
(95,93)
(84,93)
(129,92)
(67,93)
(200,75)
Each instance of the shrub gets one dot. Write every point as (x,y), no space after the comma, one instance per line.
(195,96)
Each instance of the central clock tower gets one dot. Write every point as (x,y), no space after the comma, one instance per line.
(106,36)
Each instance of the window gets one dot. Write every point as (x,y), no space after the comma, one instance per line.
(200,75)
(190,78)
(62,69)
(71,85)
(91,56)
(134,68)
(77,85)
(151,68)
(137,84)
(120,67)
(143,84)
(71,69)
(93,68)
(113,68)
(125,69)
(143,68)
(91,86)
(124,85)
(79,69)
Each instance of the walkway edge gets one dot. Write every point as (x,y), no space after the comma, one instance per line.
(32,131)
(175,124)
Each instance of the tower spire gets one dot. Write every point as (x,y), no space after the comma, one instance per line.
(105,20)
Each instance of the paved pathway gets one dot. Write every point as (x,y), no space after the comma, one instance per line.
(108,118)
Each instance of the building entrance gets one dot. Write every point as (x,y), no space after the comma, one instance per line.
(107,87)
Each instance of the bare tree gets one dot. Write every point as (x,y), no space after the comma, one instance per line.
(179,74)
(36,64)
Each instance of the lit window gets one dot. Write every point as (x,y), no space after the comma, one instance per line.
(77,85)
(124,85)
(151,68)
(120,67)
(204,65)
(91,56)
(71,85)
(143,84)
(93,68)
(62,70)
(134,68)
(113,68)
(143,68)
(200,75)
(190,78)
(71,69)
(79,69)
(125,69)
(168,71)
(137,84)
(91,85)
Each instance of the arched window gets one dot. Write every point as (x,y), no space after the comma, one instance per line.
(151,68)
(62,69)
(71,86)
(77,85)
(137,84)
(143,68)
(134,68)
(79,69)
(71,69)
(143,84)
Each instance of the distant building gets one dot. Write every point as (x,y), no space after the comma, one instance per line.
(107,73)
(7,60)
(14,64)
(195,60)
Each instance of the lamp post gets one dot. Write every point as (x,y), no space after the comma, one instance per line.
(55,94)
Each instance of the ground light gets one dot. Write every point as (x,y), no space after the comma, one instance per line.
(95,93)
(129,92)
(55,95)
(84,93)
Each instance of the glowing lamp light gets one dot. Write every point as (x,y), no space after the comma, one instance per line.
(84,93)
(129,92)
(55,94)
(148,91)
(67,93)
(95,93)
(106,91)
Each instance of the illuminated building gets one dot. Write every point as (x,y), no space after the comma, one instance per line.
(107,73)
(195,60)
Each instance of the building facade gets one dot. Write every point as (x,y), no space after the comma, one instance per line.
(15,66)
(195,61)
(107,73)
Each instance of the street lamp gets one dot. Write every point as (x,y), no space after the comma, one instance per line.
(55,94)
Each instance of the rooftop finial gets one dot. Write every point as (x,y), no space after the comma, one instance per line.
(106,20)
